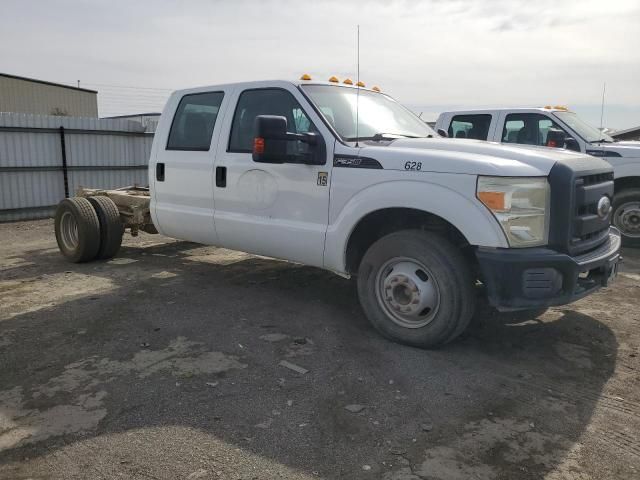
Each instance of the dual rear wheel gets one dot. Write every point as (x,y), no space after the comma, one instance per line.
(88,228)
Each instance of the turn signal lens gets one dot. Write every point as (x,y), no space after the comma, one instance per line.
(258,145)
(493,200)
(348,81)
(334,79)
(306,76)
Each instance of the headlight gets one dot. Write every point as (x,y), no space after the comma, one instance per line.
(521,206)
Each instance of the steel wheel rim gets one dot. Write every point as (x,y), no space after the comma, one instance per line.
(627,219)
(408,292)
(69,231)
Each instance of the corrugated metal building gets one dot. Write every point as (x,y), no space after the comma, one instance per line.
(28,95)
(43,159)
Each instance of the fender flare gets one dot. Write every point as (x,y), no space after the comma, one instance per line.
(469,216)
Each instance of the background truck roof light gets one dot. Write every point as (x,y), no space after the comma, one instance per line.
(305,76)
(334,79)
(348,81)
(360,84)
(376,89)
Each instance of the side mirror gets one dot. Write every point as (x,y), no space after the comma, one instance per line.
(571,143)
(442,133)
(271,139)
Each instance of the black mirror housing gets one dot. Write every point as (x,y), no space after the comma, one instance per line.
(571,143)
(271,139)
(442,133)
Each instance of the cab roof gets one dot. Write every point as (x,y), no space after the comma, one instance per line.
(266,84)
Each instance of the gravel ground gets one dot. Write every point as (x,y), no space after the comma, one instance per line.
(165,363)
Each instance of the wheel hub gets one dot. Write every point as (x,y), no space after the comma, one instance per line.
(408,293)
(627,219)
(69,231)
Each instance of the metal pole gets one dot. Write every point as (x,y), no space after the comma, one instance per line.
(64,163)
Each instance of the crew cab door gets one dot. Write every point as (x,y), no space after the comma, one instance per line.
(277,210)
(532,129)
(181,167)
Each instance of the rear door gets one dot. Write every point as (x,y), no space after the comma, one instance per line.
(277,210)
(182,171)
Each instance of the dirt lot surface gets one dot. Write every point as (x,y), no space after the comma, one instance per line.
(164,363)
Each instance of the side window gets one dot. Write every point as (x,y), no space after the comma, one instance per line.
(194,120)
(470,126)
(532,129)
(267,101)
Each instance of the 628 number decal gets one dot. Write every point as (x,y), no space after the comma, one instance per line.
(413,166)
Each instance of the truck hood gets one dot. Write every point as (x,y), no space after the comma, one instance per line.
(627,149)
(474,157)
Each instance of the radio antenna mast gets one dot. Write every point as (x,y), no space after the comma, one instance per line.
(357,86)
(604,89)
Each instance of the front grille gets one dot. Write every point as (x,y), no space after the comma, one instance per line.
(588,228)
(577,185)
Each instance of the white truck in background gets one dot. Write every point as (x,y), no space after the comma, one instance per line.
(285,169)
(558,127)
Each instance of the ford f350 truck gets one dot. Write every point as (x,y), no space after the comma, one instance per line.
(558,127)
(344,178)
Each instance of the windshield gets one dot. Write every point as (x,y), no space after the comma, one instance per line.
(586,131)
(378,115)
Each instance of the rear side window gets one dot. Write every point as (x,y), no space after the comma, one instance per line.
(470,126)
(194,120)
(267,101)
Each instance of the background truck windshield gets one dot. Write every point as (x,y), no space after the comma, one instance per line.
(586,131)
(378,114)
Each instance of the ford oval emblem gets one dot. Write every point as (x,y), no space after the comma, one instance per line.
(604,207)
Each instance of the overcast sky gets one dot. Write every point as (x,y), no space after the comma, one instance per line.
(430,55)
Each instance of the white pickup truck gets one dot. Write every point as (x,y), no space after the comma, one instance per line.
(560,128)
(344,178)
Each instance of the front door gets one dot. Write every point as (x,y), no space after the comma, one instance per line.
(277,210)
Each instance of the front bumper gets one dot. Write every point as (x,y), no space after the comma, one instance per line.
(518,279)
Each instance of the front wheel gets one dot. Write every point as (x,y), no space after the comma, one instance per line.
(626,216)
(416,288)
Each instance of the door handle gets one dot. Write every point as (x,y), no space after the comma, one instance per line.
(221,177)
(160,172)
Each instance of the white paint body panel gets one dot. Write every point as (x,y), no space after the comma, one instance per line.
(279,210)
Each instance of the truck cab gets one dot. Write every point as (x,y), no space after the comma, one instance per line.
(557,127)
(342,177)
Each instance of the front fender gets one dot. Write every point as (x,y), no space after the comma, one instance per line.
(443,198)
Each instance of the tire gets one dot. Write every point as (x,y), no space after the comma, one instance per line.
(626,216)
(416,288)
(111,228)
(77,229)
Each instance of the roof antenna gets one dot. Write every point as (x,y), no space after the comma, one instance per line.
(604,89)
(358,86)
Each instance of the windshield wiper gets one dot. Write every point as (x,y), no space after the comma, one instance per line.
(602,140)
(381,136)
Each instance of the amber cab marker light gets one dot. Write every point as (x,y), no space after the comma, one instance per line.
(493,200)
(306,76)
(376,89)
(258,145)
(360,84)
(348,81)
(334,79)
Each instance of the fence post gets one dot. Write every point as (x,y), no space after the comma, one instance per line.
(64,163)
